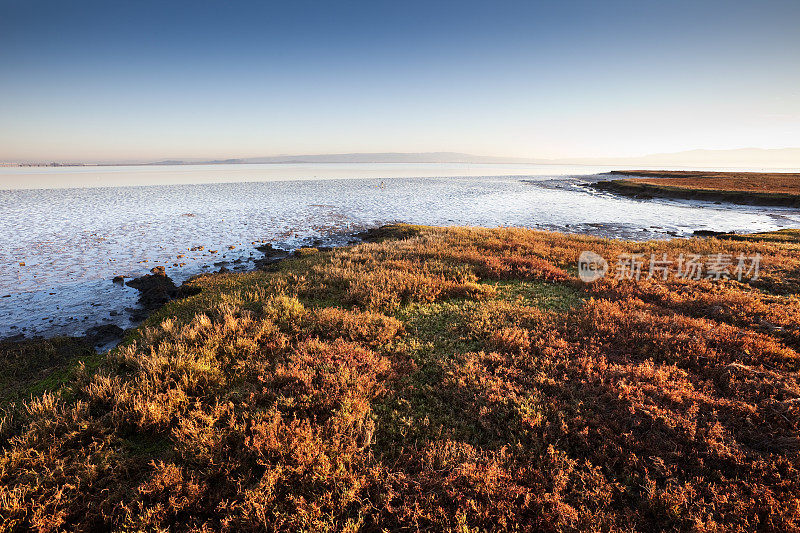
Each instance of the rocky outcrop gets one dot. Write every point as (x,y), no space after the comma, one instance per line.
(104,334)
(271,255)
(155,289)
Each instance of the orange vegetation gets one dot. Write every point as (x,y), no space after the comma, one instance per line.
(761,182)
(458,379)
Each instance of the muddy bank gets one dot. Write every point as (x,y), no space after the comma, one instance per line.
(646,191)
(707,174)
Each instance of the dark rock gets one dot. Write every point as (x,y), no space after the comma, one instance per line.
(138,315)
(709,233)
(155,289)
(99,335)
(119,280)
(265,248)
(271,255)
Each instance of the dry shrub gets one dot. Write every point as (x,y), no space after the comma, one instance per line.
(371,329)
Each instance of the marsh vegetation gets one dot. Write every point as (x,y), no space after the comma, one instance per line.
(458,379)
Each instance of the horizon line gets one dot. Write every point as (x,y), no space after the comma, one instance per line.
(457,157)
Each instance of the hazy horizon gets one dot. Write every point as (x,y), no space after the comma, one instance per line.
(98,82)
(738,159)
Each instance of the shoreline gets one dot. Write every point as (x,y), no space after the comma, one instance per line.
(648,184)
(157,289)
(57,357)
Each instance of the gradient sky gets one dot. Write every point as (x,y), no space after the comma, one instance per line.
(116,80)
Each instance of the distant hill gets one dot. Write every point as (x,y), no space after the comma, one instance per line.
(385,157)
(744,157)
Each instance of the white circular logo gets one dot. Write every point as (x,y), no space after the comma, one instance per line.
(591,266)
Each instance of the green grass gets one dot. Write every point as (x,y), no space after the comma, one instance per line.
(32,367)
(427,406)
(547,296)
(148,446)
(438,335)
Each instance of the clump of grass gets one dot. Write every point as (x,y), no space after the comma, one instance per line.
(306,251)
(454,379)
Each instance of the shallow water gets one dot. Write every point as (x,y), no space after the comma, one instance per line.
(60,248)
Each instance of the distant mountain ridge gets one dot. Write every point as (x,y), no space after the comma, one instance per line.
(367,157)
(742,157)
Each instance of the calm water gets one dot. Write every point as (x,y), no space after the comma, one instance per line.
(72,241)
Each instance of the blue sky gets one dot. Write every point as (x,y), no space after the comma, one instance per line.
(147,80)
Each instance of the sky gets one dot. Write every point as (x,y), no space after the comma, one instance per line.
(143,80)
